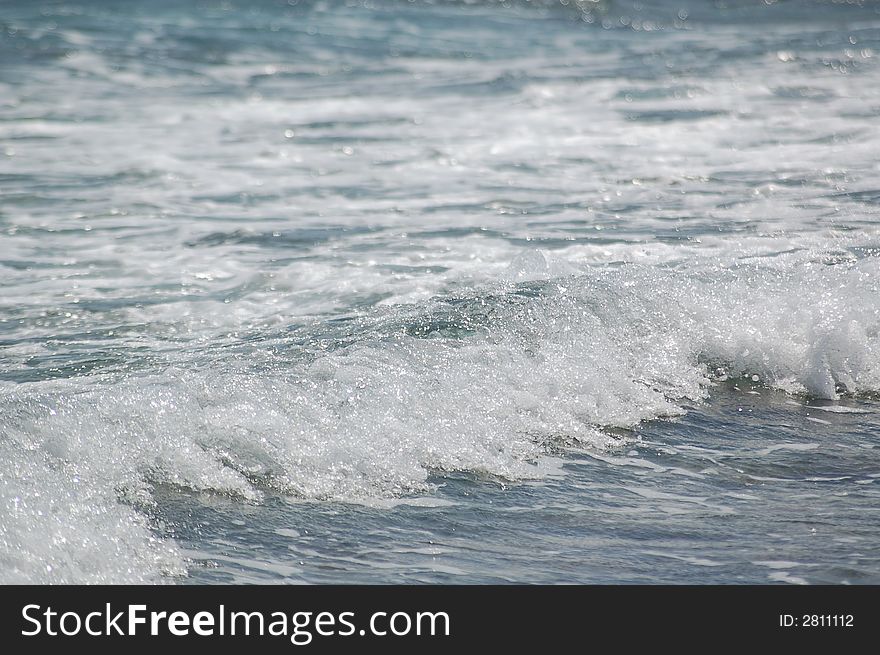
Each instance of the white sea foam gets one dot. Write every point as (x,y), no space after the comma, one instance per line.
(553,362)
(329,272)
(62,524)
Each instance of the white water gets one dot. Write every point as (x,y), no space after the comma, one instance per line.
(330,278)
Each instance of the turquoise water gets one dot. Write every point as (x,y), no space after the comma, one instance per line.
(439,292)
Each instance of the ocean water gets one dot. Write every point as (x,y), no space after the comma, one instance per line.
(407,291)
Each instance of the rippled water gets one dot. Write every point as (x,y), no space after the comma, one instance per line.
(439,292)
